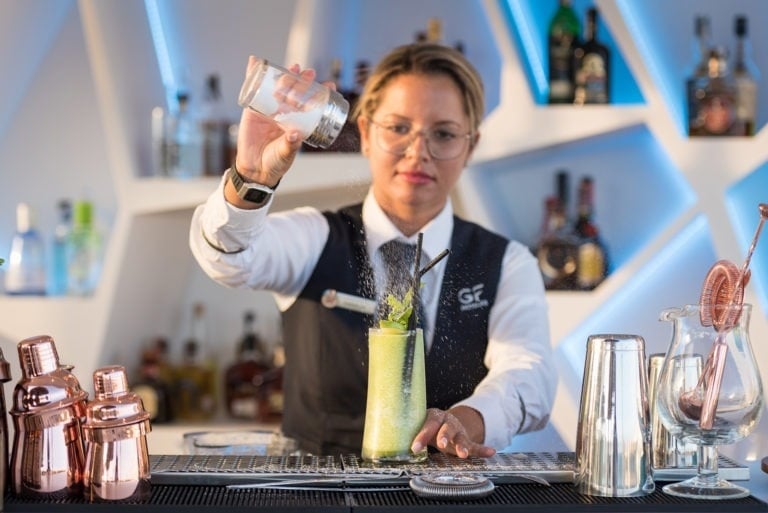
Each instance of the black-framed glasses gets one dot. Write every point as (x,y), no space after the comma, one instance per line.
(444,142)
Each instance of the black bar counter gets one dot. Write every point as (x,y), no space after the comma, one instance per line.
(533,497)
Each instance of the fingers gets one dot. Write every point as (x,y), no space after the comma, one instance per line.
(445,431)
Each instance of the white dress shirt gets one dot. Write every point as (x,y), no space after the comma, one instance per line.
(279,251)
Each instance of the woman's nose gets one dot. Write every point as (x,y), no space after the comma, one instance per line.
(419,145)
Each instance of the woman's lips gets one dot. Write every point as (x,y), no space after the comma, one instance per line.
(416,177)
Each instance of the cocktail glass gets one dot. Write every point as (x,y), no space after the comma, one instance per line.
(397,398)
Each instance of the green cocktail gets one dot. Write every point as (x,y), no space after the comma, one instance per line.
(397,397)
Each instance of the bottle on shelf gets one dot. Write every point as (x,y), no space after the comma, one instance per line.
(715,98)
(592,66)
(59,281)
(700,50)
(275,384)
(556,250)
(159,132)
(195,377)
(194,398)
(85,251)
(434,30)
(215,127)
(152,386)
(246,380)
(563,36)
(592,261)
(745,76)
(184,150)
(26,271)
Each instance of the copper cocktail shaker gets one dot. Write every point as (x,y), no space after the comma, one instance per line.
(5,375)
(116,454)
(48,404)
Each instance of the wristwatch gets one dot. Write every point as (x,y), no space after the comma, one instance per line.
(249,191)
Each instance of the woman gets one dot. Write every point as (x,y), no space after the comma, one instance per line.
(489,368)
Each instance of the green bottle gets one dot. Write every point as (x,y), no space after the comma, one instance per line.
(563,38)
(85,251)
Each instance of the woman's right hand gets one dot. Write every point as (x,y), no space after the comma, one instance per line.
(264,151)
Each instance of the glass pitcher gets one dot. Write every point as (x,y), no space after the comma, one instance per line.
(722,404)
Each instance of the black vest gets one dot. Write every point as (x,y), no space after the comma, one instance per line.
(326,371)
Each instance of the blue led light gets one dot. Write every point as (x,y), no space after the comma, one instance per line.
(742,199)
(161,50)
(527,38)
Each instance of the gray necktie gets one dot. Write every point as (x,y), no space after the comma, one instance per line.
(398,258)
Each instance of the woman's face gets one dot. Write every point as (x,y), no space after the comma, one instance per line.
(411,103)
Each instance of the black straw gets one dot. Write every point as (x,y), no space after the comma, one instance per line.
(410,345)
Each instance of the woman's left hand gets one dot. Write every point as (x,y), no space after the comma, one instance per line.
(455,432)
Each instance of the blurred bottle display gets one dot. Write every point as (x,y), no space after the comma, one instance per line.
(745,76)
(195,376)
(151,385)
(85,251)
(59,281)
(556,250)
(26,268)
(592,261)
(246,380)
(592,66)
(184,149)
(563,37)
(714,105)
(702,44)
(215,127)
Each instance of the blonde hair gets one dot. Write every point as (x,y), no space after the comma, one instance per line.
(426,59)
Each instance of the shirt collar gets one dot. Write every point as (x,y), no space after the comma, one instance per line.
(379,229)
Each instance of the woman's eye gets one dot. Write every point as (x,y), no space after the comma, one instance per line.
(443,135)
(400,129)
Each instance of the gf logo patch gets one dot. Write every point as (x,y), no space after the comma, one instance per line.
(470,298)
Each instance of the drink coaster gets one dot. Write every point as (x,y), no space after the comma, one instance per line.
(444,485)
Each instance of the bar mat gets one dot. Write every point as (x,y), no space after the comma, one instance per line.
(519,467)
(506,497)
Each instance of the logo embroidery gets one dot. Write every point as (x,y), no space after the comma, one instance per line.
(469,298)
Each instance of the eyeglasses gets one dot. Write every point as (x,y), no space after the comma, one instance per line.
(443,142)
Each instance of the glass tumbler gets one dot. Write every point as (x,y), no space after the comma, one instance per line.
(295,103)
(397,399)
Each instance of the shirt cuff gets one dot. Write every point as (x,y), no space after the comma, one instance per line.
(501,424)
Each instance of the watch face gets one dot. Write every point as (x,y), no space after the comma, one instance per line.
(255,195)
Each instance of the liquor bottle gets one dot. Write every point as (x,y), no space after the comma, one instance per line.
(592,66)
(59,282)
(715,98)
(591,268)
(745,75)
(26,273)
(185,142)
(563,35)
(275,384)
(215,129)
(194,397)
(434,30)
(700,50)
(556,250)
(245,381)
(85,249)
(151,386)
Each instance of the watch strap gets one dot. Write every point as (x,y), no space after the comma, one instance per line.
(249,191)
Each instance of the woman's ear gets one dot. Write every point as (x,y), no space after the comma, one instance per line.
(472,145)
